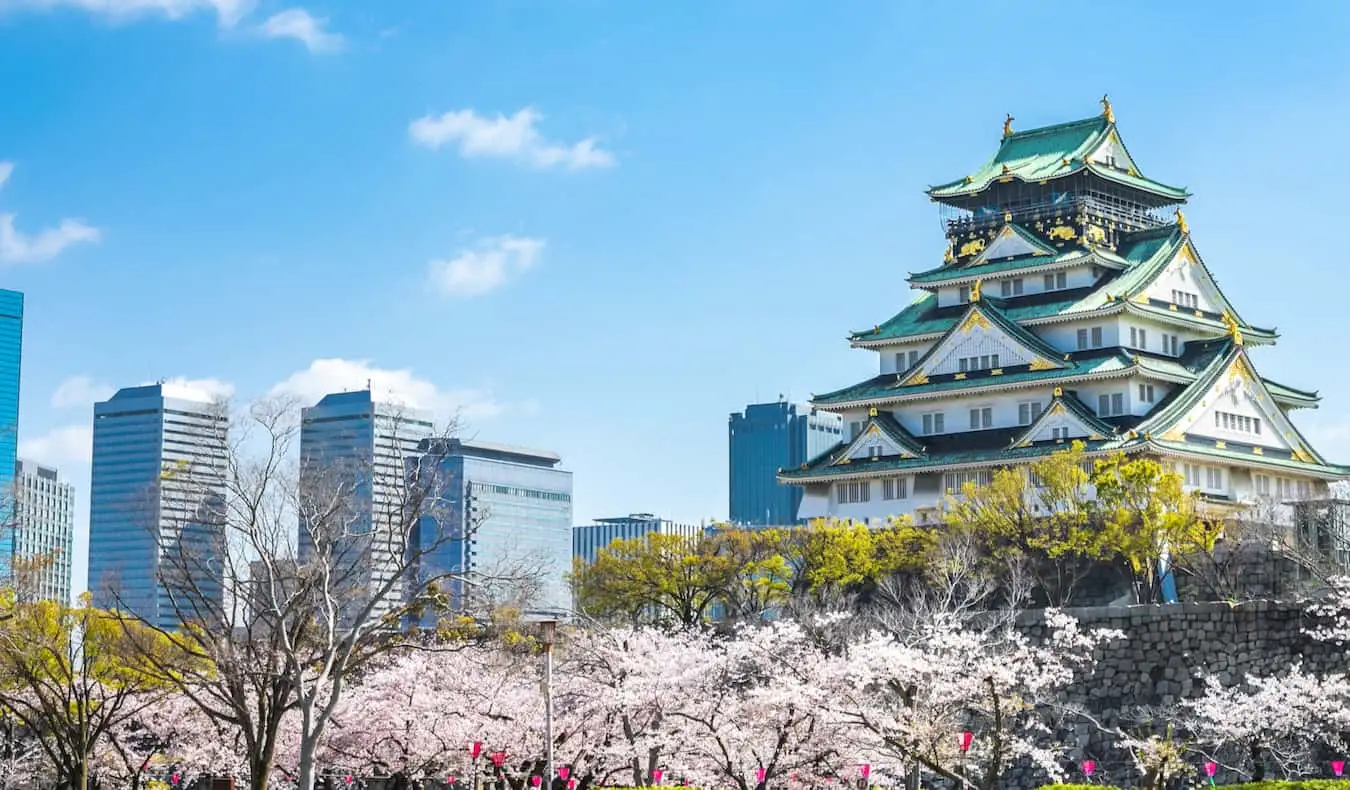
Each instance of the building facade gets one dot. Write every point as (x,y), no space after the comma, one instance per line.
(44,531)
(1072,304)
(157,489)
(764,439)
(355,448)
(11,358)
(588,539)
(502,524)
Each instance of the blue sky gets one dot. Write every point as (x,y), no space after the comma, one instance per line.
(601,226)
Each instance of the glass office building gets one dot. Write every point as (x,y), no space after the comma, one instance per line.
(356,447)
(11,354)
(768,437)
(588,539)
(44,531)
(156,487)
(504,513)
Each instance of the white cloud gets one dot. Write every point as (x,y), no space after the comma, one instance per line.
(490,265)
(299,24)
(503,137)
(17,247)
(325,376)
(209,390)
(80,392)
(228,12)
(69,443)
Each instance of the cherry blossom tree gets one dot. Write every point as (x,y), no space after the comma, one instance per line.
(910,695)
(748,711)
(1277,718)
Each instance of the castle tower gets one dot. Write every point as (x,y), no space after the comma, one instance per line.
(1071,304)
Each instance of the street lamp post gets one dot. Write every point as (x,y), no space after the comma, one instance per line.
(548,632)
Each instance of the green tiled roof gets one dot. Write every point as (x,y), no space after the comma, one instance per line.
(1244,454)
(1290,396)
(1145,255)
(1040,154)
(1074,406)
(822,467)
(892,428)
(888,385)
(951,273)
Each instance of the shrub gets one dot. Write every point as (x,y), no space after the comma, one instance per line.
(1078,787)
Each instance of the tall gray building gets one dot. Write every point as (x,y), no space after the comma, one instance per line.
(44,531)
(157,489)
(355,447)
(505,517)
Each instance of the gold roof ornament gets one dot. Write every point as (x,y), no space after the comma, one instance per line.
(1106,110)
(975,291)
(1059,392)
(872,412)
(1007,125)
(1007,216)
(950,255)
(1181,222)
(1234,331)
(1005,171)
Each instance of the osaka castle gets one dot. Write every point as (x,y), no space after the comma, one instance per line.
(1072,304)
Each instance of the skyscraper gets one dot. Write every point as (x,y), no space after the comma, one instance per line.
(767,438)
(157,483)
(11,354)
(504,516)
(354,447)
(44,531)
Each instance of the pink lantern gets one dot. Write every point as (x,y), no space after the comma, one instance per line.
(966,738)
(1338,767)
(450,779)
(475,749)
(498,759)
(865,770)
(571,784)
(759,775)
(176,779)
(1210,769)
(564,772)
(1089,767)
(536,780)
(656,776)
(347,779)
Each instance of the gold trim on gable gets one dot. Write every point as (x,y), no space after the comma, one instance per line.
(1040,363)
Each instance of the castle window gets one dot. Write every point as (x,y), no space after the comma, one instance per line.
(963,294)
(1110,405)
(981,418)
(1056,282)
(895,488)
(1138,338)
(852,492)
(1090,338)
(1028,411)
(1011,287)
(1145,393)
(1239,423)
(932,423)
(953,482)
(1059,432)
(1171,344)
(982,362)
(1185,299)
(913,358)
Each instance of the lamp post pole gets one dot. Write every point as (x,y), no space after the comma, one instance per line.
(548,634)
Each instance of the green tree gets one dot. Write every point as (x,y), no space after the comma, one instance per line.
(758,575)
(1141,515)
(848,558)
(70,674)
(660,578)
(1035,516)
